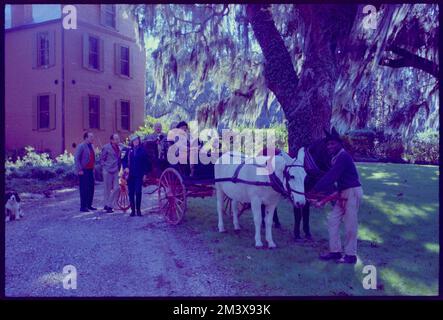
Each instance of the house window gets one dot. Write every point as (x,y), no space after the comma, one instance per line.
(43,112)
(125,115)
(94,53)
(124,61)
(93,49)
(94,112)
(108,15)
(43,49)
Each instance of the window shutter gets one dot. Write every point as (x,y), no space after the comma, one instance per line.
(85,113)
(117,58)
(118,115)
(131,118)
(35,52)
(85,50)
(102,54)
(131,61)
(102,112)
(51,35)
(35,113)
(117,14)
(52,114)
(102,15)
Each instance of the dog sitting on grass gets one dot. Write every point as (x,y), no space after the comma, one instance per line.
(13,210)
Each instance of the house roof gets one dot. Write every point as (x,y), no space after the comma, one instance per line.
(32,25)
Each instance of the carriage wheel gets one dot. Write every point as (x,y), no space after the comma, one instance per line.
(172,196)
(227,206)
(123,199)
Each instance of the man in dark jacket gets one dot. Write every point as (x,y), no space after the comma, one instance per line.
(136,165)
(84,161)
(344,175)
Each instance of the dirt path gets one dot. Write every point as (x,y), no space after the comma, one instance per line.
(114,254)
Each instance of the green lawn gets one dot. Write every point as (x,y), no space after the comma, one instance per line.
(398,233)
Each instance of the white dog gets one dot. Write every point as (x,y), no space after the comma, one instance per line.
(13,210)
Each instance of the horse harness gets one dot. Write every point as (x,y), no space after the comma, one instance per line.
(275,182)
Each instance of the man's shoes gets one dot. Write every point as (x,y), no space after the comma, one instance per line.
(330,256)
(109,210)
(132,214)
(92,208)
(139,213)
(308,237)
(348,259)
(84,210)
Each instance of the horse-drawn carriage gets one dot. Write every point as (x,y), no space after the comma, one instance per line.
(174,184)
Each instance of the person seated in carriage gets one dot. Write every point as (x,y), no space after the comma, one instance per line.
(182,141)
(160,138)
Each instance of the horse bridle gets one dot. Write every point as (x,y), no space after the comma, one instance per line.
(287,177)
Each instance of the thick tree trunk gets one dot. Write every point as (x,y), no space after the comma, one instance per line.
(306,102)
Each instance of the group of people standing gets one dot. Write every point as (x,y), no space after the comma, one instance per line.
(113,157)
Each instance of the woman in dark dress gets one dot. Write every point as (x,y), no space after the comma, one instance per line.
(136,166)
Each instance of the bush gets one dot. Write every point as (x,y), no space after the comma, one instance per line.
(389,147)
(281,136)
(360,142)
(42,173)
(40,166)
(424,148)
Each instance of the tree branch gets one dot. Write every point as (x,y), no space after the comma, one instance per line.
(408,59)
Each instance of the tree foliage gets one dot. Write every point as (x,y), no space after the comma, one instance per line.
(207,62)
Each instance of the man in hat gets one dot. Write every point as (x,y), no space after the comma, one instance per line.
(344,175)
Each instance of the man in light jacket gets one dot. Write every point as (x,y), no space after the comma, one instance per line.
(110,160)
(84,162)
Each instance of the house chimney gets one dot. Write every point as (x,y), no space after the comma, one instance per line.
(21,14)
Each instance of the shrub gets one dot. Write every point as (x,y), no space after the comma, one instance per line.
(360,142)
(65,158)
(40,166)
(389,147)
(42,173)
(424,148)
(281,136)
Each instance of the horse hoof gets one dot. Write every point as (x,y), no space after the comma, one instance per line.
(272,246)
(237,230)
(222,231)
(258,247)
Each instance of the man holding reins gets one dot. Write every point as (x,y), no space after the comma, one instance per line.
(349,193)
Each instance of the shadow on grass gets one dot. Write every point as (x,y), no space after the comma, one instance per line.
(398,233)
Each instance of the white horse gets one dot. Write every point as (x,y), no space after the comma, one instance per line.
(290,173)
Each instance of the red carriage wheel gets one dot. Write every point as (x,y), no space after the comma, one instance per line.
(123,199)
(172,196)
(227,206)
